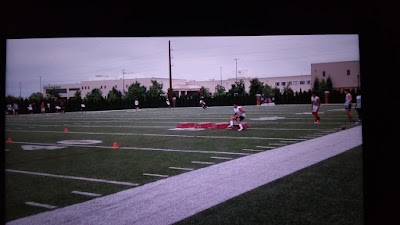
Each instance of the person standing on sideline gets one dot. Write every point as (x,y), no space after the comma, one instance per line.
(16,108)
(358,105)
(315,104)
(83,108)
(238,116)
(347,105)
(42,108)
(136,104)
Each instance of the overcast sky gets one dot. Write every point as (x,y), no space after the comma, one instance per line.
(31,63)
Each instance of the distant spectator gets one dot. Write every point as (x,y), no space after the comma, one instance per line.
(83,107)
(10,109)
(315,104)
(42,108)
(358,105)
(136,105)
(347,105)
(30,109)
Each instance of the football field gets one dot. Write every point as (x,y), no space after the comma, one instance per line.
(56,160)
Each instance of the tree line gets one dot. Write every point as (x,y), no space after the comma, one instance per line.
(154,96)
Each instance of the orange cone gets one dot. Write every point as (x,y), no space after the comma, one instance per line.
(9,140)
(115,145)
(66,130)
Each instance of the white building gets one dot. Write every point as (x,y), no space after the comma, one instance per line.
(180,86)
(344,75)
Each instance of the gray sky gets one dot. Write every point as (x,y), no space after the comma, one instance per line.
(34,62)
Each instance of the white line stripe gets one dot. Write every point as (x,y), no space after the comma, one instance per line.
(288,141)
(278,144)
(155,175)
(86,193)
(136,148)
(215,157)
(41,205)
(157,135)
(198,162)
(180,168)
(270,147)
(74,178)
(252,150)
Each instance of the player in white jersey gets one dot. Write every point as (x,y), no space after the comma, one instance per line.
(315,104)
(238,116)
(358,105)
(347,105)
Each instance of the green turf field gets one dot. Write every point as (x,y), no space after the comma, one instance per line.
(46,165)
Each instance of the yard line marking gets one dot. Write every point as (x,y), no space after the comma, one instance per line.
(86,193)
(269,147)
(155,175)
(72,177)
(198,162)
(252,150)
(279,144)
(181,168)
(156,135)
(41,205)
(216,157)
(138,148)
(289,141)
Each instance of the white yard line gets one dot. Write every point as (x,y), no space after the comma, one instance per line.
(207,163)
(41,205)
(156,135)
(181,168)
(216,157)
(155,175)
(72,177)
(269,147)
(132,148)
(252,150)
(86,193)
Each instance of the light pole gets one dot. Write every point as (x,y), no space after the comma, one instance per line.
(40,89)
(236,69)
(20,89)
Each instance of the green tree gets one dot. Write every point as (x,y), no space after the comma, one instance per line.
(329,84)
(36,98)
(220,90)
(95,99)
(238,88)
(322,87)
(95,96)
(316,85)
(155,90)
(136,91)
(256,87)
(267,90)
(287,90)
(114,97)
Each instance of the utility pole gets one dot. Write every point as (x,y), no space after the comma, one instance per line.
(40,89)
(170,76)
(236,69)
(20,89)
(123,81)
(221,73)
